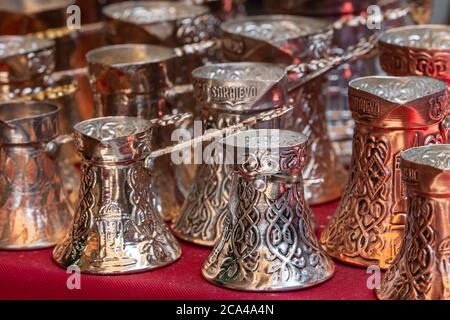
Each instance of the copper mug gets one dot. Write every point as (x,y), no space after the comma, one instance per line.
(289,40)
(268,243)
(421,270)
(422,50)
(116,228)
(34,208)
(138,80)
(391,114)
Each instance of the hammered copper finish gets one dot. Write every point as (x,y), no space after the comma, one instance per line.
(421,271)
(416,50)
(391,114)
(290,40)
(132,80)
(268,242)
(227,93)
(34,209)
(116,228)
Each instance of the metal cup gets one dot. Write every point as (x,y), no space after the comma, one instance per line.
(340,123)
(166,23)
(421,270)
(417,51)
(34,210)
(138,80)
(26,64)
(116,228)
(391,114)
(268,243)
(32,16)
(227,94)
(289,40)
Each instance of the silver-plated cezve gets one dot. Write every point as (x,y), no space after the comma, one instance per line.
(138,80)
(227,93)
(116,228)
(289,40)
(268,243)
(27,64)
(34,209)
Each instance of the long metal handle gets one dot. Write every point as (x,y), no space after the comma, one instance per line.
(53,147)
(264,116)
(168,120)
(303,73)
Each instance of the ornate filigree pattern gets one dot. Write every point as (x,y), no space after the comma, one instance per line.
(202,215)
(268,241)
(359,231)
(417,50)
(117,232)
(410,276)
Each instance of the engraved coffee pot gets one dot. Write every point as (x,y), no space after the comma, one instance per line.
(391,114)
(289,40)
(421,271)
(34,208)
(138,80)
(27,64)
(227,93)
(116,228)
(166,23)
(422,50)
(268,243)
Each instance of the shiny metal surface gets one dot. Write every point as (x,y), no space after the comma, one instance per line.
(34,209)
(289,40)
(22,17)
(27,64)
(116,228)
(421,270)
(24,61)
(268,242)
(416,50)
(391,114)
(134,80)
(159,22)
(227,93)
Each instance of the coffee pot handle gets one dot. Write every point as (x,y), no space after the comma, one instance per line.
(168,120)
(52,147)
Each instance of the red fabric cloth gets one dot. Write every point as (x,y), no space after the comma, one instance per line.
(33,275)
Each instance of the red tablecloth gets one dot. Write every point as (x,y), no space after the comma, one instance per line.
(33,275)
